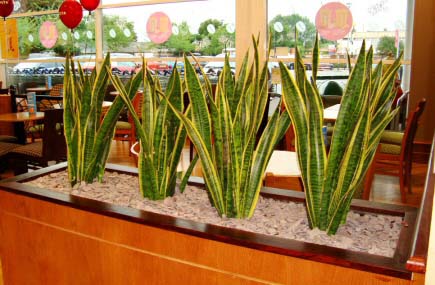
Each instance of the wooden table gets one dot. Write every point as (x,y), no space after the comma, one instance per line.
(283,171)
(19,119)
(330,114)
(39,90)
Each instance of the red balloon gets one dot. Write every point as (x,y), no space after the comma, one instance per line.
(71,13)
(6,8)
(90,5)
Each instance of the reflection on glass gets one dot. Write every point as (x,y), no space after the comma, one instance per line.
(209,32)
(380,22)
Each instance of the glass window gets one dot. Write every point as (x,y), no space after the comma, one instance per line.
(381,22)
(162,30)
(342,27)
(22,6)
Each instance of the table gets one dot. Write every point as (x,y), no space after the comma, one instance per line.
(19,119)
(39,90)
(284,163)
(330,114)
(283,171)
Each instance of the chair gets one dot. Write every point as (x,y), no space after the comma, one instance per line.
(4,91)
(110,97)
(56,90)
(126,130)
(22,87)
(398,121)
(394,154)
(52,147)
(5,149)
(19,104)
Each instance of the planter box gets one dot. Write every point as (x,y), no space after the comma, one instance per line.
(53,238)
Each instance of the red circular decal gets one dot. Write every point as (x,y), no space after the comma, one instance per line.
(48,34)
(334,21)
(159,27)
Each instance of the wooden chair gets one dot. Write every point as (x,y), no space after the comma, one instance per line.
(6,129)
(56,90)
(394,154)
(52,147)
(126,130)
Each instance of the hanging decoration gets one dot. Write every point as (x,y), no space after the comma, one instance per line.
(6,8)
(70,13)
(48,34)
(90,5)
(159,27)
(334,21)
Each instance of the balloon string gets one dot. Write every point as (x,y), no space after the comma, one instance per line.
(72,42)
(86,21)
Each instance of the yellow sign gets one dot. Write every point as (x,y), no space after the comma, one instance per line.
(276,75)
(9,38)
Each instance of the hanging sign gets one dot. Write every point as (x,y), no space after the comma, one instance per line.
(334,21)
(159,27)
(9,39)
(48,34)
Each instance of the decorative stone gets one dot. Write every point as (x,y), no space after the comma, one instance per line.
(370,233)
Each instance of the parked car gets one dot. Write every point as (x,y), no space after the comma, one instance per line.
(124,67)
(87,63)
(160,68)
(291,66)
(325,66)
(215,67)
(25,67)
(180,66)
(52,67)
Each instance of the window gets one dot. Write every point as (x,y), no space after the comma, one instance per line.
(204,28)
(382,23)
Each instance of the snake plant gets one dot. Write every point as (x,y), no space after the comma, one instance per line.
(330,179)
(224,126)
(160,132)
(88,134)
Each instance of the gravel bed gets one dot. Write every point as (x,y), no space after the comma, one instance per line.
(370,233)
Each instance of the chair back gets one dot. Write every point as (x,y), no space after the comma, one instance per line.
(107,96)
(53,139)
(22,87)
(402,100)
(411,129)
(19,103)
(56,90)
(4,91)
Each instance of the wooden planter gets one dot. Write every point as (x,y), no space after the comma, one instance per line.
(52,238)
